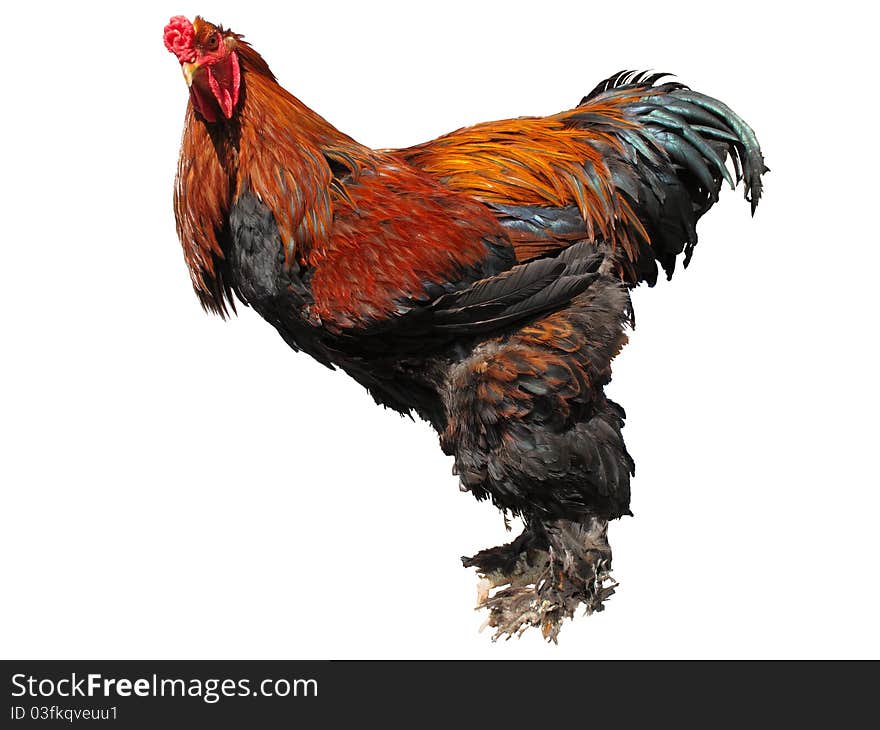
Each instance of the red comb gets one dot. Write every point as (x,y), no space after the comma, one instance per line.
(179,36)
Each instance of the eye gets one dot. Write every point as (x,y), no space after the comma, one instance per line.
(212,42)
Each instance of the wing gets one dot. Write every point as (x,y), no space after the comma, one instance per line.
(409,261)
(634,166)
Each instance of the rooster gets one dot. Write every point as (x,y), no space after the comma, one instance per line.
(480,280)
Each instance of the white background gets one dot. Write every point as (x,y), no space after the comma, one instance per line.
(175,486)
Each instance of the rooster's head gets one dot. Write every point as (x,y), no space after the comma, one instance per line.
(209,57)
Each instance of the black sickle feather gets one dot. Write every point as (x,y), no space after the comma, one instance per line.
(694,131)
(522,292)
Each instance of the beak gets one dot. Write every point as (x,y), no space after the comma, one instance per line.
(189,70)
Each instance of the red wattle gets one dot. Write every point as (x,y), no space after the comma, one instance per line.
(203,103)
(219,87)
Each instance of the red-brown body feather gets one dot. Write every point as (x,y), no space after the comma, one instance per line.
(397,230)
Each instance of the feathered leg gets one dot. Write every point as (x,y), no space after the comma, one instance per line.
(544,575)
(532,430)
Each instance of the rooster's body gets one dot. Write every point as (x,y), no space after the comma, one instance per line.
(479,280)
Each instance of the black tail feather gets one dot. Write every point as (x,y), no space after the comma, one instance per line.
(675,159)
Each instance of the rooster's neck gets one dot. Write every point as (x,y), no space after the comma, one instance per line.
(275,148)
(278,114)
(284,157)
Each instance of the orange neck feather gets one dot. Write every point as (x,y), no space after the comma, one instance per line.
(274,147)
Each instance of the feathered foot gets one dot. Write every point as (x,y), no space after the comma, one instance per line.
(544,575)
